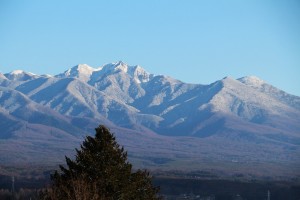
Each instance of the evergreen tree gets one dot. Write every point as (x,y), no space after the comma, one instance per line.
(100,171)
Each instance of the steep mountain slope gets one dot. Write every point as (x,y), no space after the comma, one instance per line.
(72,97)
(161,121)
(15,106)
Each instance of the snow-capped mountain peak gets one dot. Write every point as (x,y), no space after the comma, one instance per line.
(252,81)
(139,74)
(21,72)
(121,66)
(113,67)
(136,72)
(17,72)
(85,69)
(20,75)
(81,71)
(228,81)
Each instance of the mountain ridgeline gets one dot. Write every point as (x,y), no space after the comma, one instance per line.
(164,123)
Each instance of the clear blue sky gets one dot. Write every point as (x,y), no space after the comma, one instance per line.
(196,41)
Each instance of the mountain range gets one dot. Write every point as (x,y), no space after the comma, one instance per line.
(237,126)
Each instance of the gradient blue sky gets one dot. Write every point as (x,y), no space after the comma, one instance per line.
(195,41)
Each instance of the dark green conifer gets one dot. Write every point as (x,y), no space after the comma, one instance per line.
(100,171)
